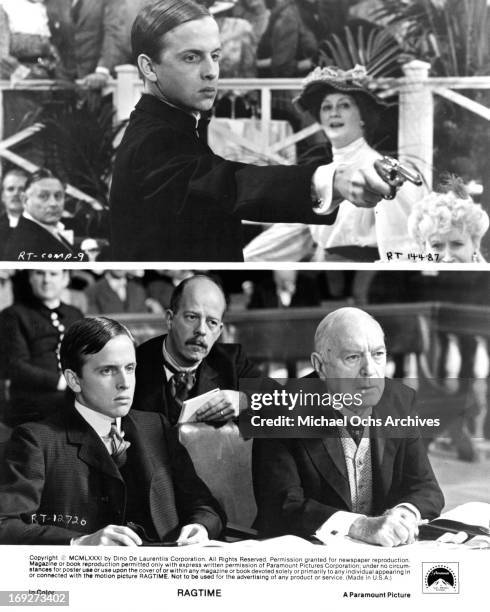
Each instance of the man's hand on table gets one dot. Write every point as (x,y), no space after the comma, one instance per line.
(395,527)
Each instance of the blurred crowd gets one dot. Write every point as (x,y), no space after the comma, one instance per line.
(86,39)
(110,292)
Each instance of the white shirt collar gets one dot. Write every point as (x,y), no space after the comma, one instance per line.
(101,423)
(117,283)
(167,356)
(13,219)
(168,373)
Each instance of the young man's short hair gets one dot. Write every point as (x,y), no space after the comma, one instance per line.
(88,337)
(156,19)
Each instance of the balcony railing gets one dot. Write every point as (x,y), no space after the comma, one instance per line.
(415,128)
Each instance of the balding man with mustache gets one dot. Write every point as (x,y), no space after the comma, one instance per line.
(188,361)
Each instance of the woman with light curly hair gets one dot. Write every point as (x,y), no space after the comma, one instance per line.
(449,225)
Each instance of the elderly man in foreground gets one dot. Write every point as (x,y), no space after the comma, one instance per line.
(373,489)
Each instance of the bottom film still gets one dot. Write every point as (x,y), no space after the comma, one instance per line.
(243,436)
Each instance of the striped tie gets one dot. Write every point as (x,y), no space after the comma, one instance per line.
(119,446)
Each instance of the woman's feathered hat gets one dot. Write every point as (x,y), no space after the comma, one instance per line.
(330,79)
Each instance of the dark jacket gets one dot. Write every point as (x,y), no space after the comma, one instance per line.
(103,300)
(60,482)
(5,233)
(223,368)
(95,38)
(31,242)
(173,199)
(300,483)
(286,41)
(306,294)
(29,342)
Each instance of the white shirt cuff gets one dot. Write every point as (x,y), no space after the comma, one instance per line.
(323,187)
(412,508)
(103,70)
(337,525)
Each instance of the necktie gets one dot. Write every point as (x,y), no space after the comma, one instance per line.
(181,385)
(119,445)
(355,432)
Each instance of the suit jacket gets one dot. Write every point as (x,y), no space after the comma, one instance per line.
(30,237)
(5,232)
(300,483)
(60,482)
(222,368)
(29,342)
(306,293)
(286,41)
(173,199)
(103,300)
(96,38)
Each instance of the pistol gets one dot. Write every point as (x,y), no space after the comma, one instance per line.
(394,173)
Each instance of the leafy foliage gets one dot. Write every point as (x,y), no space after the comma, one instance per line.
(377,50)
(78,140)
(451,34)
(78,145)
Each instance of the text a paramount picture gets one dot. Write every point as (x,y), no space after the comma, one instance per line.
(332,450)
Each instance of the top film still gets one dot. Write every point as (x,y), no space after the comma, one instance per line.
(185,131)
(268,403)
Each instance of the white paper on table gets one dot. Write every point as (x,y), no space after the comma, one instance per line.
(473,513)
(190,406)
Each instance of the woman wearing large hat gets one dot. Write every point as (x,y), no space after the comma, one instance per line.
(349,111)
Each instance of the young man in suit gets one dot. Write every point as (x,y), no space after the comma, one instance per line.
(97,473)
(181,201)
(40,236)
(188,361)
(373,489)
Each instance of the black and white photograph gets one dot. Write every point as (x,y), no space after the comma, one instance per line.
(230,131)
(244,316)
